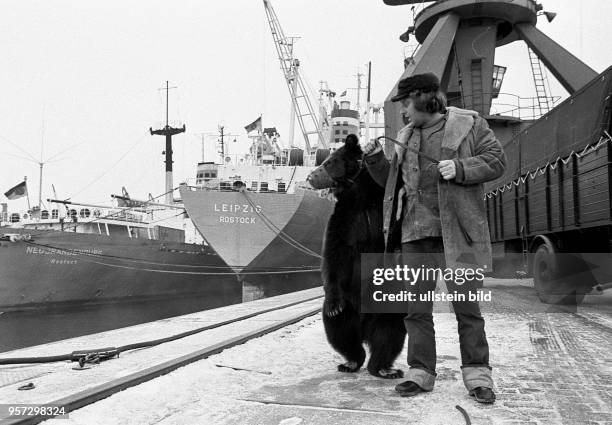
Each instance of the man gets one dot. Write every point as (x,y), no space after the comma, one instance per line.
(437,214)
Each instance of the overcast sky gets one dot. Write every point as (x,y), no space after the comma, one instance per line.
(88,73)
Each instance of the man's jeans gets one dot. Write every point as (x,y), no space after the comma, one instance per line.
(475,368)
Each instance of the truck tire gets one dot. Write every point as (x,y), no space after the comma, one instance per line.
(548,279)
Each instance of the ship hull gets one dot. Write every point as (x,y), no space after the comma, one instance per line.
(272,241)
(63,269)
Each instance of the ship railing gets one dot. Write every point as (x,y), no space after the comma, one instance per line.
(126,215)
(310,160)
(86,215)
(217,185)
(512,105)
(171,123)
(82,215)
(426,4)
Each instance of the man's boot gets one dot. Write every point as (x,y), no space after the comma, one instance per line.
(483,395)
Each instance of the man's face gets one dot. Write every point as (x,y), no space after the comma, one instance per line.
(417,118)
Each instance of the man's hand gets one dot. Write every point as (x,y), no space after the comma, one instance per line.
(372,147)
(447,169)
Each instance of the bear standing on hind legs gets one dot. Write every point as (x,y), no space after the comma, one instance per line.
(355,227)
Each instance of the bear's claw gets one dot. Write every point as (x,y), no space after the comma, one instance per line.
(348,367)
(388,373)
(333,307)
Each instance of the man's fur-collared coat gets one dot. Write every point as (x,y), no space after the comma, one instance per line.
(479,158)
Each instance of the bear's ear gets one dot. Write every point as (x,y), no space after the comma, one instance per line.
(352,141)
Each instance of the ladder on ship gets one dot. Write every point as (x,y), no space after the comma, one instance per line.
(540,80)
(477,92)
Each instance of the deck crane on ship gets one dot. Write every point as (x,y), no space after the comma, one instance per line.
(258,213)
(302,107)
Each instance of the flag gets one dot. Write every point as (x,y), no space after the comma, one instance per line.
(255,125)
(343,93)
(17,192)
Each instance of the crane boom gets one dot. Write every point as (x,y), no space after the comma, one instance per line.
(302,105)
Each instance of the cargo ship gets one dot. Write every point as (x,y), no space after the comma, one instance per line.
(77,254)
(260,216)
(264,222)
(256,210)
(82,256)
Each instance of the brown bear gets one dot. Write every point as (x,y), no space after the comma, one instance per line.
(355,227)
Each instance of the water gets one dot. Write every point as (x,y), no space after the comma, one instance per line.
(25,329)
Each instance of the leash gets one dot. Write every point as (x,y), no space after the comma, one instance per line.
(415,151)
(466,235)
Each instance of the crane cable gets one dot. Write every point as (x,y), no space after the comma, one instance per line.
(102,257)
(279,232)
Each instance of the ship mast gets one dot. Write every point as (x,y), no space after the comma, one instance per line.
(367,112)
(41,163)
(168,131)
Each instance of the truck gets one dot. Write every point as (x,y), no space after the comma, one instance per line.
(553,206)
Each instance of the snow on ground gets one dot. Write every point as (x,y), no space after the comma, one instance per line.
(548,369)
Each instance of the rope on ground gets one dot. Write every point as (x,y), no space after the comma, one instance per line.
(96,355)
(465,414)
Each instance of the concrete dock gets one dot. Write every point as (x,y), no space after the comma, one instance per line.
(550,367)
(66,384)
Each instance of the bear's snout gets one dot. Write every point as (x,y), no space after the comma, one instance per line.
(319,178)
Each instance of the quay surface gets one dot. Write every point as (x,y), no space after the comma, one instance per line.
(60,383)
(550,367)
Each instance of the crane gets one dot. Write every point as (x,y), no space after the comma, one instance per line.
(301,105)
